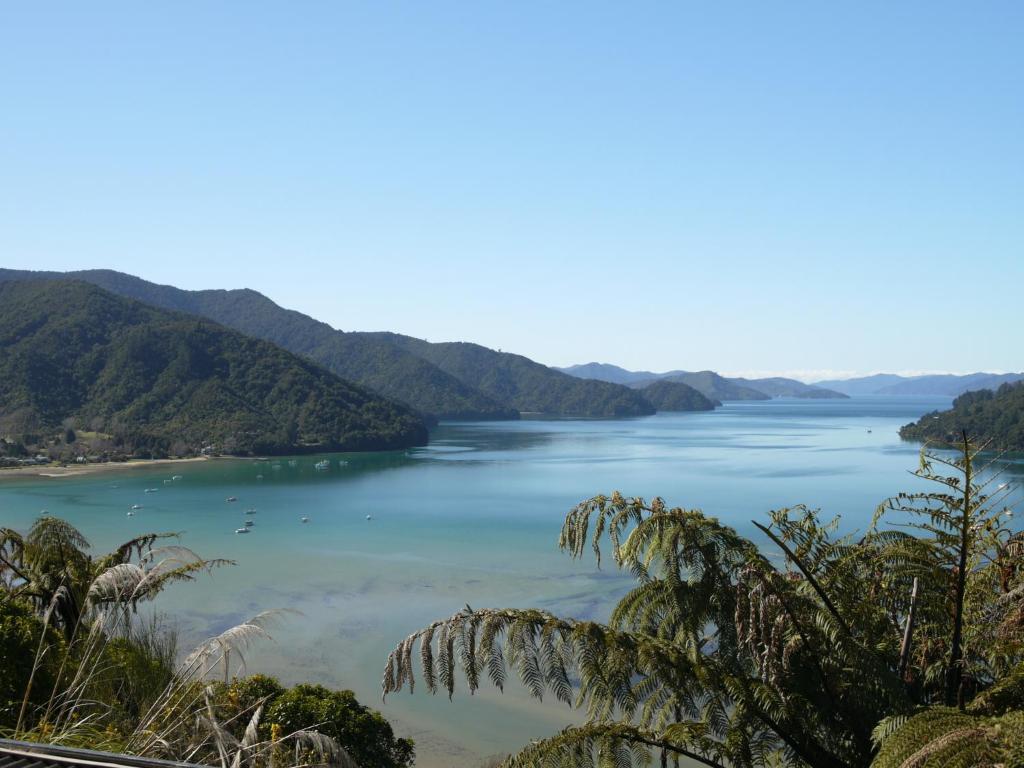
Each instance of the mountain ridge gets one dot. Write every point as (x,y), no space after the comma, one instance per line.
(397,367)
(709,383)
(526,384)
(162,382)
(948,384)
(394,375)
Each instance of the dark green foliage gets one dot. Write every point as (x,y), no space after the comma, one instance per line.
(384,368)
(525,385)
(134,670)
(996,418)
(246,693)
(442,380)
(20,633)
(405,377)
(363,732)
(159,382)
(676,396)
(947,738)
(1004,695)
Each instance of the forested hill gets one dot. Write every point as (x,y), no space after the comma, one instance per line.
(445,380)
(522,383)
(713,386)
(777,386)
(159,382)
(985,416)
(676,396)
(384,368)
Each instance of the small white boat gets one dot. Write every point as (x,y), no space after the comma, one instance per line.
(322,465)
(241,530)
(251,511)
(304,519)
(136,506)
(249,523)
(1001,486)
(259,477)
(342,463)
(130,513)
(167,482)
(229,499)
(293,463)
(151,490)
(176,477)
(368,517)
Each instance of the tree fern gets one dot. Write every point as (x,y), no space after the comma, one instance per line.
(724,656)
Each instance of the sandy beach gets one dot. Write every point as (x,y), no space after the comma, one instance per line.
(73,470)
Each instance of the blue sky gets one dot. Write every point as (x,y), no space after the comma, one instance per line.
(784,187)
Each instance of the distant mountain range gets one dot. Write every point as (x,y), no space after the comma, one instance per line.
(452,380)
(143,381)
(940,385)
(458,380)
(708,383)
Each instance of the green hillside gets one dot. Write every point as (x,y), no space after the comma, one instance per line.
(159,382)
(472,383)
(384,368)
(777,386)
(525,385)
(676,396)
(985,415)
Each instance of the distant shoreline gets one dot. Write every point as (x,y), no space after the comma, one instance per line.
(76,470)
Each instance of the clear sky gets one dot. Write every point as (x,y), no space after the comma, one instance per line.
(785,186)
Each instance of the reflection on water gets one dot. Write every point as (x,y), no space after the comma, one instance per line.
(472,518)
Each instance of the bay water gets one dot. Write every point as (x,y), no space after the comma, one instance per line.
(473,518)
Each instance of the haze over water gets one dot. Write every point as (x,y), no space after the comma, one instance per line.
(471,519)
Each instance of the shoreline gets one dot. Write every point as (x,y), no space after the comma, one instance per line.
(77,470)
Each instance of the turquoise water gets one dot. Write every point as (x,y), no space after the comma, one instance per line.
(473,518)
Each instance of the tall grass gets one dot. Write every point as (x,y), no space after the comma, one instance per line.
(118,684)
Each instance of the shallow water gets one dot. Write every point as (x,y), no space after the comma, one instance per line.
(473,518)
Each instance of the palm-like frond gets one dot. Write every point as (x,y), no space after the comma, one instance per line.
(943,737)
(746,660)
(232,641)
(126,584)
